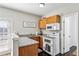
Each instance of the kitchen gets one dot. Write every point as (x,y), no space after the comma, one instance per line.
(53,34)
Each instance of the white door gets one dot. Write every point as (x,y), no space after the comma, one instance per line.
(67,35)
(69,32)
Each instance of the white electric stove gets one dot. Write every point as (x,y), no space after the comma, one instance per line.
(51,43)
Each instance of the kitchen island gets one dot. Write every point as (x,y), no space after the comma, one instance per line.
(27,47)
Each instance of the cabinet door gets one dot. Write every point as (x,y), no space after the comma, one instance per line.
(41,42)
(23,51)
(37,38)
(31,50)
(53,19)
(42,23)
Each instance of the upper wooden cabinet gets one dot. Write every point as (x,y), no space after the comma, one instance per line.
(49,20)
(53,19)
(42,23)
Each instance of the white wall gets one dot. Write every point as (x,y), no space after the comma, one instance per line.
(64,10)
(17,18)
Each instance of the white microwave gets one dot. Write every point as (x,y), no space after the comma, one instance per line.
(54,26)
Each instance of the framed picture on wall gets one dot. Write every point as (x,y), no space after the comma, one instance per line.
(28,24)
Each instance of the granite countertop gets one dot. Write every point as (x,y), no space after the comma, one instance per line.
(25,41)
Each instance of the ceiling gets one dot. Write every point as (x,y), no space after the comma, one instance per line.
(34,8)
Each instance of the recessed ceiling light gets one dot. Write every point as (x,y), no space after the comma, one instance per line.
(42,4)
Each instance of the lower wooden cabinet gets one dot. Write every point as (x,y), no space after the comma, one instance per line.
(41,42)
(31,50)
(39,39)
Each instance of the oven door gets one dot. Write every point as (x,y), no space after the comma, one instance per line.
(48,40)
(48,49)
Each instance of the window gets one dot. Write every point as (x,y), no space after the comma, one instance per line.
(3,30)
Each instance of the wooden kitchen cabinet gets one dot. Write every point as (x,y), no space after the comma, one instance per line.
(42,23)
(41,42)
(31,50)
(49,20)
(39,39)
(53,19)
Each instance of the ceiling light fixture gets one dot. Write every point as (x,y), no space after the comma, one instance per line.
(42,4)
